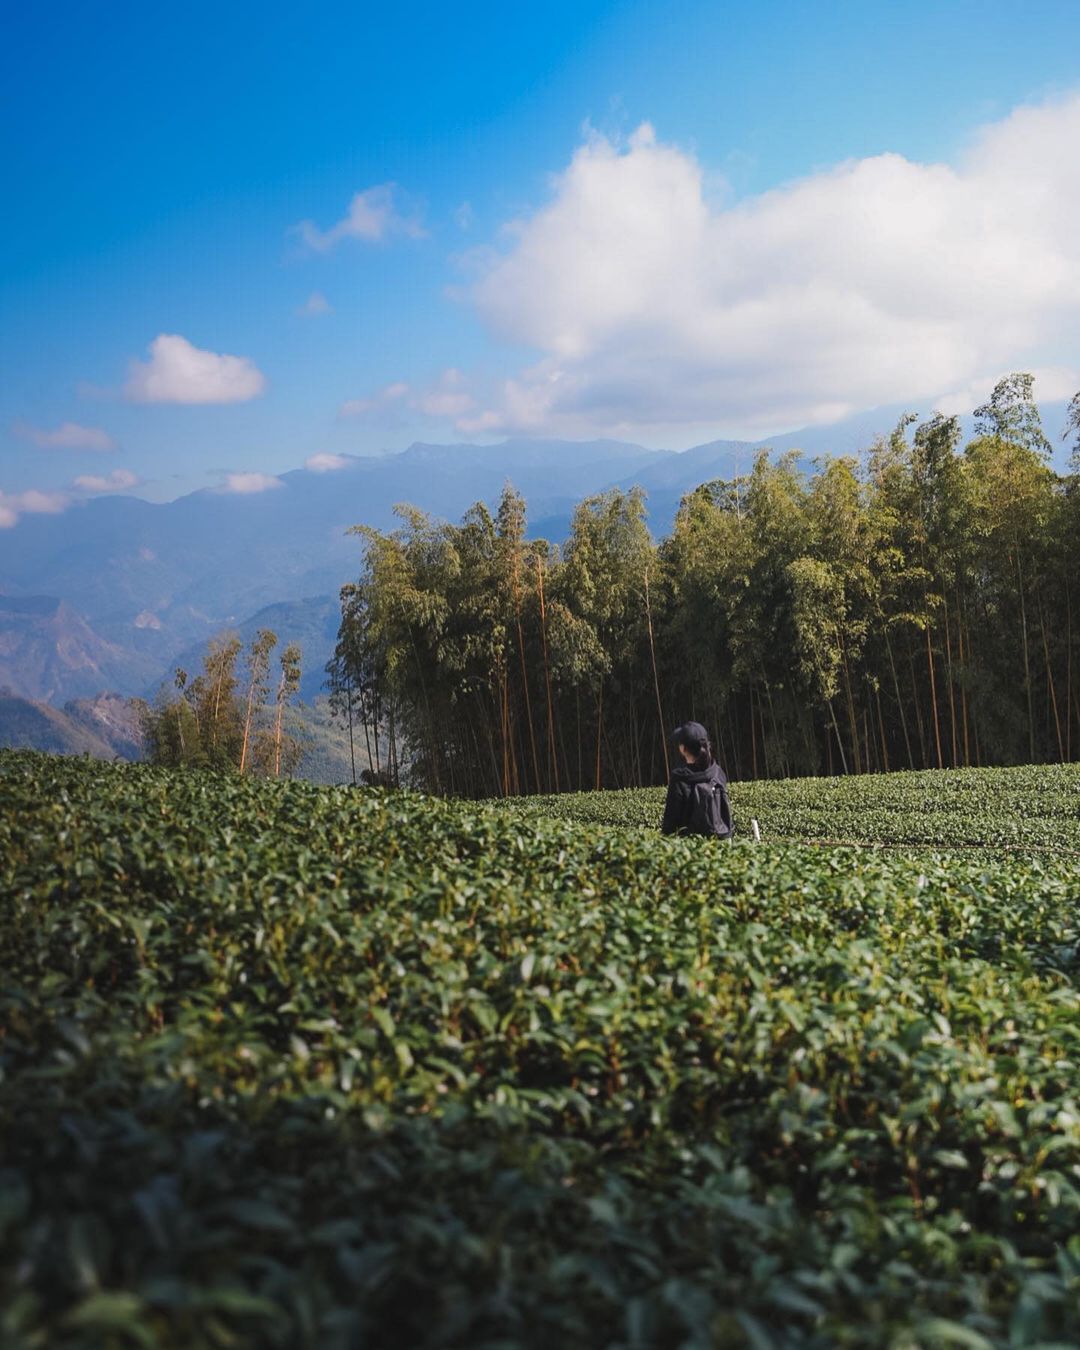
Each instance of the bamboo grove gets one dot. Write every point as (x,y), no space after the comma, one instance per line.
(221,718)
(911,608)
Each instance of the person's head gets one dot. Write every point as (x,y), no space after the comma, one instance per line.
(692,743)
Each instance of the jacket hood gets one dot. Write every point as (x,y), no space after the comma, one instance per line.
(713,773)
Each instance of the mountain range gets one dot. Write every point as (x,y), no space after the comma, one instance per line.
(117,591)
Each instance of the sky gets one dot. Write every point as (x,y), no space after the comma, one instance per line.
(241,239)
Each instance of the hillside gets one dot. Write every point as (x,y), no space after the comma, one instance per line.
(107,727)
(25,724)
(113,718)
(50,653)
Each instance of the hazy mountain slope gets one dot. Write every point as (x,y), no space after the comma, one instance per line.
(48,652)
(107,726)
(155,578)
(113,719)
(26,724)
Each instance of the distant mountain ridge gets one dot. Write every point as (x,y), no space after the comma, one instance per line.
(136,585)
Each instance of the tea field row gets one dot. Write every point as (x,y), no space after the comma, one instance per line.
(1028,808)
(294,1066)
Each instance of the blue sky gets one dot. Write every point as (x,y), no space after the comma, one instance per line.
(161,160)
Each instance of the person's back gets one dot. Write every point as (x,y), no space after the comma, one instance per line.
(697,800)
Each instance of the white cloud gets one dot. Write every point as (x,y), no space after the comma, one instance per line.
(375,214)
(13,505)
(248,483)
(464,216)
(324,462)
(652,310)
(178,372)
(116,481)
(315,305)
(385,398)
(67,436)
(34,502)
(447,398)
(29,503)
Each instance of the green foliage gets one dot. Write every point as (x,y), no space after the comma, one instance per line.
(990,810)
(1011,414)
(915,612)
(289,1066)
(213,723)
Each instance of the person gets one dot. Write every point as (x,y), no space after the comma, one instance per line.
(697,800)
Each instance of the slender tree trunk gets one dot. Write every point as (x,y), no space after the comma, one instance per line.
(349,714)
(580,765)
(214,722)
(599,729)
(899,700)
(881,730)
(839,739)
(753,736)
(248,711)
(917,702)
(278,710)
(1027,663)
(427,708)
(504,729)
(778,739)
(525,676)
(933,697)
(718,724)
(547,678)
(949,677)
(656,678)
(1068,670)
(1050,681)
(852,719)
(962,654)
(736,757)
(376,725)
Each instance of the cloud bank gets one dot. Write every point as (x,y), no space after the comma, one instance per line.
(30,503)
(178,372)
(652,309)
(325,462)
(117,481)
(248,483)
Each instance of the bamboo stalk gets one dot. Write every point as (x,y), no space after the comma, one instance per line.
(656,677)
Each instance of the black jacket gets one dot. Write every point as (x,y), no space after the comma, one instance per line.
(680,794)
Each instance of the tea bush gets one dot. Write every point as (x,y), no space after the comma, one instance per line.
(1033,807)
(295,1066)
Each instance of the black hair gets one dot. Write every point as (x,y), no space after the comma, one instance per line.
(695,738)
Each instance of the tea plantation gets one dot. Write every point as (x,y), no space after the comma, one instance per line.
(294,1066)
